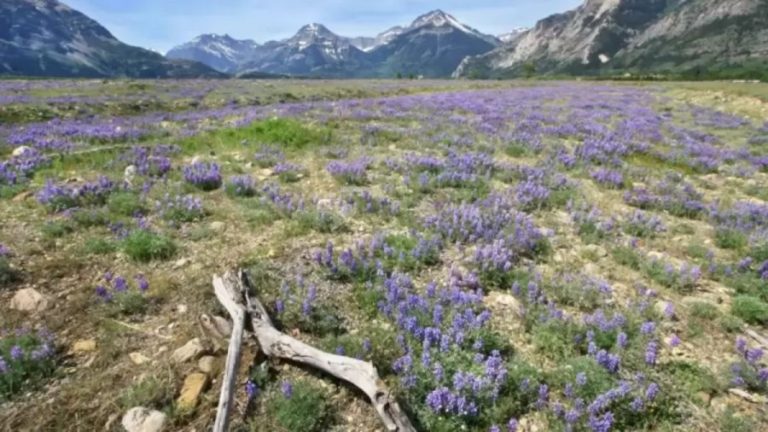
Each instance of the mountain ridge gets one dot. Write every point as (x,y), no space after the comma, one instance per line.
(433,44)
(48,38)
(638,36)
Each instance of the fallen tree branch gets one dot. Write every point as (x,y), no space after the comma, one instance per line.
(757,337)
(237,312)
(233,289)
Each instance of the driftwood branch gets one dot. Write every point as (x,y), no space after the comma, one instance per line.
(233,290)
(226,295)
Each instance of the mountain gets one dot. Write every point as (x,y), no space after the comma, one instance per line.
(48,38)
(512,35)
(222,53)
(369,43)
(313,50)
(432,45)
(614,36)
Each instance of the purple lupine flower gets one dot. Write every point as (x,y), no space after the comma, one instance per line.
(279,306)
(669,310)
(571,417)
(762,375)
(601,423)
(652,391)
(494,428)
(543,398)
(204,175)
(674,341)
(651,353)
(581,379)
(103,293)
(648,327)
(441,400)
(120,284)
(741,345)
(637,404)
(753,355)
(17,353)
(251,389)
(287,389)
(142,283)
(621,340)
(512,425)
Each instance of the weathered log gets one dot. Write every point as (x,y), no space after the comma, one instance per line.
(233,290)
(237,312)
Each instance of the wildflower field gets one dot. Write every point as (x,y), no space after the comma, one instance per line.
(510,256)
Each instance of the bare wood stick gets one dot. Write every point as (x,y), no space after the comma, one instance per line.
(362,375)
(227,296)
(757,337)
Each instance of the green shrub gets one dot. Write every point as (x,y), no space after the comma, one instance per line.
(7,273)
(627,256)
(90,218)
(750,309)
(307,409)
(731,422)
(288,133)
(144,246)
(57,229)
(125,204)
(704,311)
(99,246)
(730,239)
(151,392)
(731,324)
(25,359)
(321,221)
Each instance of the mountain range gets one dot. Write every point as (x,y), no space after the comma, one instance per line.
(692,37)
(48,38)
(600,37)
(432,45)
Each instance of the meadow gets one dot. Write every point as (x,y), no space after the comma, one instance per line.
(510,255)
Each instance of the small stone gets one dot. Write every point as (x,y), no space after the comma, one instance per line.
(138,358)
(29,300)
(84,346)
(180,263)
(704,397)
(181,309)
(506,301)
(193,387)
(207,364)
(192,350)
(595,250)
(140,419)
(20,150)
(217,226)
(591,269)
(129,175)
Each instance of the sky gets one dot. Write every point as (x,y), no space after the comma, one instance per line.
(163,24)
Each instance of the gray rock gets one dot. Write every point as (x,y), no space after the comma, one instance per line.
(192,350)
(207,364)
(129,175)
(20,150)
(140,419)
(29,300)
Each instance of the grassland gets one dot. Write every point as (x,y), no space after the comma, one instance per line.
(555,255)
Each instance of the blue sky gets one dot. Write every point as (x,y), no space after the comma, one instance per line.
(162,24)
